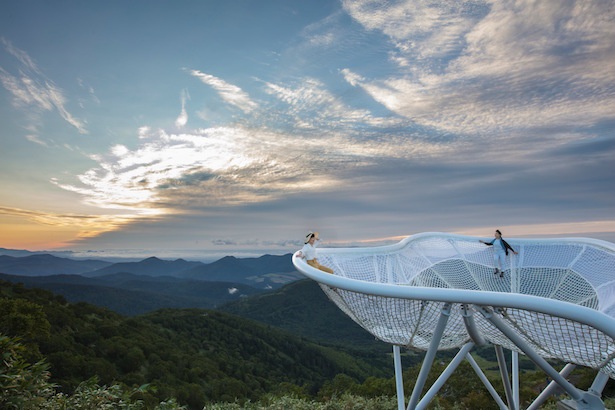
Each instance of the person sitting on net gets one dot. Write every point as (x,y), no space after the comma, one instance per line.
(308,252)
(500,251)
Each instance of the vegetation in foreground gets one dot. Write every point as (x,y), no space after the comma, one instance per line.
(26,386)
(208,350)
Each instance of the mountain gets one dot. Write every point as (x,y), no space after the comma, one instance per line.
(267,270)
(197,356)
(16,252)
(133,288)
(45,264)
(131,295)
(302,308)
(148,267)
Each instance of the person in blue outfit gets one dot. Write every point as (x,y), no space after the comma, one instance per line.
(500,251)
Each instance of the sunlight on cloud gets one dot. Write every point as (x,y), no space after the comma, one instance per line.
(172,172)
(87,226)
(223,166)
(475,67)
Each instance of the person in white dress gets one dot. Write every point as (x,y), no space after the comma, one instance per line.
(308,252)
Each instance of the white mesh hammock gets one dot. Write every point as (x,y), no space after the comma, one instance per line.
(436,291)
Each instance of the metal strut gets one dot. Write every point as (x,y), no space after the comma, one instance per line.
(499,353)
(399,381)
(429,356)
(584,400)
(448,372)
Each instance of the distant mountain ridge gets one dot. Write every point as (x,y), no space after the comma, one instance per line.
(234,269)
(131,295)
(152,266)
(267,271)
(45,264)
(133,288)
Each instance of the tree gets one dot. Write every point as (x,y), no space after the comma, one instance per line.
(25,386)
(26,320)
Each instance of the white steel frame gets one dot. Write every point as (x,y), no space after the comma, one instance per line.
(489,304)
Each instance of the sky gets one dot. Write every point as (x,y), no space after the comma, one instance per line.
(191,127)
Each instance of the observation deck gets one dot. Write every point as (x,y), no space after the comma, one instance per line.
(438,291)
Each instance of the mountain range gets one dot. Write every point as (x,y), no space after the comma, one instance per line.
(133,288)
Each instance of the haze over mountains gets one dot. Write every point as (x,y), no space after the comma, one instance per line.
(133,288)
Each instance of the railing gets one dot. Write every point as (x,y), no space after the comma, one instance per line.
(504,318)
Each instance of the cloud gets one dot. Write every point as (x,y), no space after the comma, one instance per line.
(416,115)
(191,171)
(212,167)
(34,138)
(230,93)
(31,89)
(182,119)
(499,69)
(309,105)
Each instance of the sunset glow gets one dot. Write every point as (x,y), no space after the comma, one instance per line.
(244,126)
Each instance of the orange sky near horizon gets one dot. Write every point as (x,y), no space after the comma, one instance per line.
(19,232)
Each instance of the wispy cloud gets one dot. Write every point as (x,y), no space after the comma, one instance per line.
(32,89)
(182,119)
(498,69)
(173,172)
(310,105)
(403,115)
(230,93)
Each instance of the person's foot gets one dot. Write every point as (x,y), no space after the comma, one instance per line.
(496,271)
(501,274)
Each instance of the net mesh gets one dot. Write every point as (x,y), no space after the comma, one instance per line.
(578,272)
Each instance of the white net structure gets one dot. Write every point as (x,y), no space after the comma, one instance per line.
(437,291)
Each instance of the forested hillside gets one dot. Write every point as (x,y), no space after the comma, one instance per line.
(198,356)
(131,295)
(134,288)
(194,355)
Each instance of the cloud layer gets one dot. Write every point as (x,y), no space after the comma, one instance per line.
(442,115)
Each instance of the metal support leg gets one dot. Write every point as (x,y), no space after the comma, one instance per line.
(515,379)
(575,393)
(551,388)
(429,356)
(399,381)
(433,390)
(599,382)
(486,382)
(499,352)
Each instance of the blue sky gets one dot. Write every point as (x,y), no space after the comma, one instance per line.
(226,126)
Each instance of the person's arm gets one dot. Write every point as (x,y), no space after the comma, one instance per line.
(486,243)
(510,247)
(302,253)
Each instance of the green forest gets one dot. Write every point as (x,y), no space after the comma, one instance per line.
(54,351)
